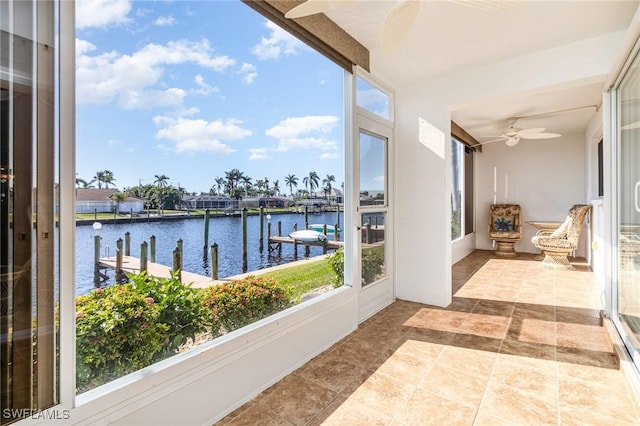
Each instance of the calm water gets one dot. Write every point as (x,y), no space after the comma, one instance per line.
(225,231)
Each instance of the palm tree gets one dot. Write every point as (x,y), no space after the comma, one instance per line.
(311,182)
(276,187)
(108,178)
(118,198)
(259,185)
(327,185)
(161,180)
(99,177)
(81,183)
(233,176)
(246,182)
(291,181)
(217,186)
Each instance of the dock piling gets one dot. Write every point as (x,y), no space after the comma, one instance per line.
(336,236)
(177,261)
(214,261)
(306,216)
(261,236)
(279,228)
(119,273)
(179,247)
(127,243)
(244,240)
(96,260)
(206,229)
(152,249)
(143,256)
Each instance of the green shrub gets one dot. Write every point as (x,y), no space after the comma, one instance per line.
(180,308)
(117,332)
(235,304)
(336,260)
(372,263)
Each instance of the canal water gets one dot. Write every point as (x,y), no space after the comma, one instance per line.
(225,231)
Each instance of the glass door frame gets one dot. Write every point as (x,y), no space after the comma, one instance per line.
(613,101)
(380,293)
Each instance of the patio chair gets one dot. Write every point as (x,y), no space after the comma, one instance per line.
(504,228)
(557,245)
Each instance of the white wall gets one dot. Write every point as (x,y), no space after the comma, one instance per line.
(546,177)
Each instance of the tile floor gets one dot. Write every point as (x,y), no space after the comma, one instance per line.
(519,345)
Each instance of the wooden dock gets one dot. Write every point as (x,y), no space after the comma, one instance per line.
(131,265)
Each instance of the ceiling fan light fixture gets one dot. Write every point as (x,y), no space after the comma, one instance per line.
(398,23)
(513,140)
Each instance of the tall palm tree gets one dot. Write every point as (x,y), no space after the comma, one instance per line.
(246,182)
(217,186)
(276,187)
(99,177)
(233,176)
(327,185)
(311,182)
(108,178)
(291,181)
(161,180)
(260,186)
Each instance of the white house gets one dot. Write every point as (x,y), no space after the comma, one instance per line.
(100,200)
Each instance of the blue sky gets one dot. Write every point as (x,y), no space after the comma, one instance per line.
(193,89)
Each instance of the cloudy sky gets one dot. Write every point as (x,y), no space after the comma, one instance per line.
(193,89)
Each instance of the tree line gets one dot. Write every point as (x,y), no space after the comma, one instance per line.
(234,184)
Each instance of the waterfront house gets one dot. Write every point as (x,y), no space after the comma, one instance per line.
(462,71)
(100,200)
(209,202)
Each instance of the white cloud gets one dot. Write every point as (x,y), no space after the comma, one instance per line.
(309,132)
(165,21)
(142,11)
(259,154)
(198,135)
(134,81)
(102,13)
(249,73)
(278,43)
(203,87)
(329,156)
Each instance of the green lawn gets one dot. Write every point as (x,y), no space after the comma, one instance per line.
(304,278)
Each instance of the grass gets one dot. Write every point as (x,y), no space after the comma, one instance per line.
(304,278)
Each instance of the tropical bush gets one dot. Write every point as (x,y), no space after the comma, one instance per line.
(238,303)
(180,308)
(336,260)
(117,332)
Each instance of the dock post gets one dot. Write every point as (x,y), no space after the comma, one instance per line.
(214,261)
(143,256)
(338,214)
(306,216)
(307,251)
(336,236)
(324,244)
(176,262)
(152,249)
(119,274)
(127,243)
(206,229)
(96,260)
(130,215)
(179,247)
(244,239)
(295,250)
(369,236)
(279,228)
(268,231)
(261,243)
(95,214)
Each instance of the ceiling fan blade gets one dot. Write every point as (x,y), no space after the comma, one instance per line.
(539,135)
(398,23)
(500,139)
(532,130)
(312,7)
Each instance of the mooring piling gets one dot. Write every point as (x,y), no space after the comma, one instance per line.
(143,256)
(214,261)
(96,260)
(261,236)
(127,243)
(152,249)
(206,229)
(119,274)
(179,247)
(244,240)
(177,261)
(306,216)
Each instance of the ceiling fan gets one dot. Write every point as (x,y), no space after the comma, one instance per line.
(399,19)
(512,135)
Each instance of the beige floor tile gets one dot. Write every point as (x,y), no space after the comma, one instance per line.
(425,408)
(405,368)
(455,385)
(343,412)
(382,394)
(491,326)
(520,408)
(538,378)
(461,359)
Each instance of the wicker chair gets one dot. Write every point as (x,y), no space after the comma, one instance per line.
(505,228)
(557,245)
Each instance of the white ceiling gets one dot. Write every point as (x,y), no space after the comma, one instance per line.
(448,36)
